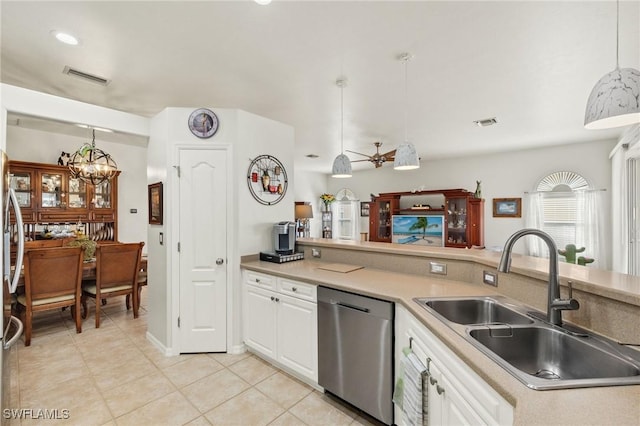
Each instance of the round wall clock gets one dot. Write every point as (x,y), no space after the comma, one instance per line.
(267,180)
(203,123)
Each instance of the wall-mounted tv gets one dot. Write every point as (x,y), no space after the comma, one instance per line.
(418,230)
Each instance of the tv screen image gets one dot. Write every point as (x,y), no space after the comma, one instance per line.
(418,230)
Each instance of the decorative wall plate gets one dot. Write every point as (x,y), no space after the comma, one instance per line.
(267,180)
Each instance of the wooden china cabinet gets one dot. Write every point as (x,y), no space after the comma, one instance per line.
(463,215)
(51,200)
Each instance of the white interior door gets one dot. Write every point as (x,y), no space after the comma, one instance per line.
(203,244)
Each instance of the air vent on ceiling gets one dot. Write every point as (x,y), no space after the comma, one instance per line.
(486,122)
(89,77)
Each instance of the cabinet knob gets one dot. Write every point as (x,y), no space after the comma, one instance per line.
(219,261)
(257,280)
(432,380)
(294,288)
(277,300)
(273,298)
(439,389)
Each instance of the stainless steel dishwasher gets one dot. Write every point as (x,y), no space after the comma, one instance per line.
(355,350)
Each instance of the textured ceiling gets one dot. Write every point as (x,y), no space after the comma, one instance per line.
(530,64)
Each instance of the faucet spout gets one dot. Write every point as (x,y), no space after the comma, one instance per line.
(555,305)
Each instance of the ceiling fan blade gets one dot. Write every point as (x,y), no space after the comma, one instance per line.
(390,154)
(357,161)
(353,152)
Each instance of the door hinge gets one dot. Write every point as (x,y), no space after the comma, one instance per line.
(178,169)
(178,247)
(178,322)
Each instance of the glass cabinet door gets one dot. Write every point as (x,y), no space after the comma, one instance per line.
(21,184)
(457,220)
(51,190)
(102,195)
(77,194)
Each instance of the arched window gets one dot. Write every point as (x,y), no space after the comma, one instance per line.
(565,206)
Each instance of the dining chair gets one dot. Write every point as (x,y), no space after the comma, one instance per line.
(117,268)
(36,244)
(52,280)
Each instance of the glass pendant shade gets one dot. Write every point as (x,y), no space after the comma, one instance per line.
(341,167)
(406,157)
(92,165)
(614,101)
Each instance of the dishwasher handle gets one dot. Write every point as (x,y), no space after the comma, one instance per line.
(347,305)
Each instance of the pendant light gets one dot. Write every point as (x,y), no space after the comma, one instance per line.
(615,99)
(92,165)
(342,164)
(406,157)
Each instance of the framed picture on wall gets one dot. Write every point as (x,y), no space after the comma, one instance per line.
(364,208)
(155,204)
(507,207)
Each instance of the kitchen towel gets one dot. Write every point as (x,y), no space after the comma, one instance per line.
(410,392)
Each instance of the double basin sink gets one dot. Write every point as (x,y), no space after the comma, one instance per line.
(539,354)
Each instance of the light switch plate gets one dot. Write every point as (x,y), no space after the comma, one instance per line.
(438,268)
(490,278)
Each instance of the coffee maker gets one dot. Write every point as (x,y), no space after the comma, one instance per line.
(284,237)
(284,240)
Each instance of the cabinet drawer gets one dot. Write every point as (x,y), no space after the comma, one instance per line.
(297,289)
(261,280)
(103,216)
(65,216)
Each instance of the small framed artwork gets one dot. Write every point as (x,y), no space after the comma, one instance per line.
(364,208)
(507,207)
(155,204)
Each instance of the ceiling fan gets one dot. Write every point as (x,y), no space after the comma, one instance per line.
(377,159)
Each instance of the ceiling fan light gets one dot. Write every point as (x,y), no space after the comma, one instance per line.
(406,157)
(614,100)
(341,167)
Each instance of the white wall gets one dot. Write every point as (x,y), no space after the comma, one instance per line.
(503,175)
(246,136)
(44,147)
(309,187)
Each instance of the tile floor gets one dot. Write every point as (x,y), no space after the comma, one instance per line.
(114,376)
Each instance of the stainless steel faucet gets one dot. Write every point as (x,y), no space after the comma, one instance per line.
(555,305)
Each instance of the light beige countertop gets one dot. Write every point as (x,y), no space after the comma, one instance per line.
(616,405)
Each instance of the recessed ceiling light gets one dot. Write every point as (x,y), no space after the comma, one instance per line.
(263,2)
(486,122)
(312,156)
(65,38)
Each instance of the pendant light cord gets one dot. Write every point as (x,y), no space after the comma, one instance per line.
(617,34)
(341,118)
(406,98)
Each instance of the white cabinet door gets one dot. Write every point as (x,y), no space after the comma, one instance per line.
(455,410)
(298,335)
(260,320)
(456,394)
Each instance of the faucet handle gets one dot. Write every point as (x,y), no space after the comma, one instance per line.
(570,285)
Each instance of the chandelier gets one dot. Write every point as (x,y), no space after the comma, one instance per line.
(92,165)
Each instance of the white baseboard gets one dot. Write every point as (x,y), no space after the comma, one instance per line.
(237,349)
(165,351)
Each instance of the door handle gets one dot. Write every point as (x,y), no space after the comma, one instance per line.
(219,261)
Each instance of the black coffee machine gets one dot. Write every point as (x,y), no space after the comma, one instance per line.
(284,241)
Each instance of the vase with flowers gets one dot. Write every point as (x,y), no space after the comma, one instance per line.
(326,200)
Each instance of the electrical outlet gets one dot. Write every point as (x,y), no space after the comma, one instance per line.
(438,268)
(315,252)
(490,278)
